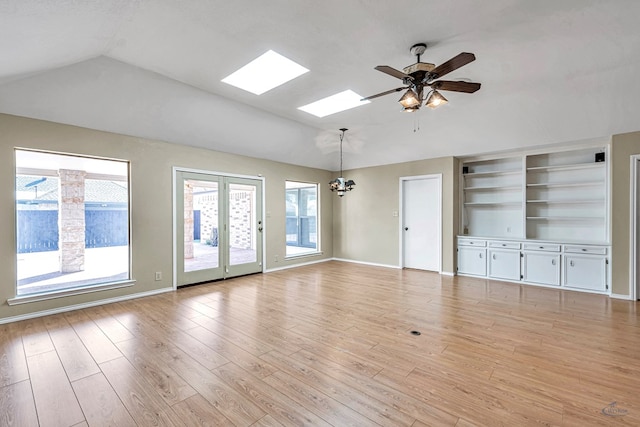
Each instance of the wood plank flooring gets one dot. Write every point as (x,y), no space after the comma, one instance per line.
(329,345)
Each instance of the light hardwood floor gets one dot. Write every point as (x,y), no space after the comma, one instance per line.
(329,345)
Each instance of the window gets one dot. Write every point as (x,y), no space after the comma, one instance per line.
(72,222)
(302,218)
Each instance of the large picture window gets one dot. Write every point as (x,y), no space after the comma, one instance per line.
(72,222)
(302,218)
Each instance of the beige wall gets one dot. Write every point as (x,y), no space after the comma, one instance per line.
(622,148)
(151,201)
(365,229)
(360,226)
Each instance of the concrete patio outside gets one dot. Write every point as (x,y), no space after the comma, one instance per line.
(40,271)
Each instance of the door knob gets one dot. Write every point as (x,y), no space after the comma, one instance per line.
(406,228)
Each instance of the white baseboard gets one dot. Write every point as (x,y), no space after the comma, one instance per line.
(620,296)
(447,273)
(286,267)
(374,264)
(83,305)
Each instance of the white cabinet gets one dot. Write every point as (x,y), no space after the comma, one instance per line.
(472,257)
(504,260)
(570,266)
(541,267)
(585,268)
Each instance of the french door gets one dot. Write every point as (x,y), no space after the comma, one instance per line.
(218,227)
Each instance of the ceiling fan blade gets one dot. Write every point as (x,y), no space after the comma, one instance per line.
(453,64)
(398,89)
(459,86)
(393,72)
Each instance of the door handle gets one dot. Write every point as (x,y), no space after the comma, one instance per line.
(260,229)
(406,228)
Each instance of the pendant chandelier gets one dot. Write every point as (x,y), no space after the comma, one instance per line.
(340,184)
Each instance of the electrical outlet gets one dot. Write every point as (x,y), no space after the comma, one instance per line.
(276,258)
(158,275)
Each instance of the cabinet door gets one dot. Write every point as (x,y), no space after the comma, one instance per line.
(585,272)
(472,261)
(504,264)
(542,268)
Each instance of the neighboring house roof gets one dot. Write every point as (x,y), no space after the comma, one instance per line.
(96,191)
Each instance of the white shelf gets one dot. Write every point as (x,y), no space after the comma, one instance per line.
(494,188)
(565,184)
(518,204)
(492,173)
(568,202)
(576,166)
(565,218)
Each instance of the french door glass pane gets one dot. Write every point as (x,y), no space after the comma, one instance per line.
(200,225)
(242,224)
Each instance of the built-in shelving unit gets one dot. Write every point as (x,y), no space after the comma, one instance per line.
(492,202)
(540,218)
(558,196)
(566,196)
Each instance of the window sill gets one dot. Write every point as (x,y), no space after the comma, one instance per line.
(305,255)
(24,299)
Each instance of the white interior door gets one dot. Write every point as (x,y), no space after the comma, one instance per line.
(421,222)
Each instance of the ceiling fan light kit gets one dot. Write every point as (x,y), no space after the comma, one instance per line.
(341,185)
(436,99)
(423,75)
(410,99)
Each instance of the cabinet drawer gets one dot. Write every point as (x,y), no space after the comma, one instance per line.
(505,245)
(472,242)
(547,247)
(596,250)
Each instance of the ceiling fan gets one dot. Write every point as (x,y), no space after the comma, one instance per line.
(423,75)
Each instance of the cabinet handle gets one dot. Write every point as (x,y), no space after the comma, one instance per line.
(541,247)
(571,263)
(494,256)
(553,262)
(480,255)
(504,244)
(584,250)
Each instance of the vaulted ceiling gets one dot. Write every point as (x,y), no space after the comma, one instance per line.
(551,72)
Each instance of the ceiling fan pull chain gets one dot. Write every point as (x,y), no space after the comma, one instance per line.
(416,122)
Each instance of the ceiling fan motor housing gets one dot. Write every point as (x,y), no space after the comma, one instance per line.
(419,66)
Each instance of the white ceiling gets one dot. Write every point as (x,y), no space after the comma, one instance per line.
(551,72)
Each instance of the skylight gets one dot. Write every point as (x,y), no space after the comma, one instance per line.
(334,104)
(264,73)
